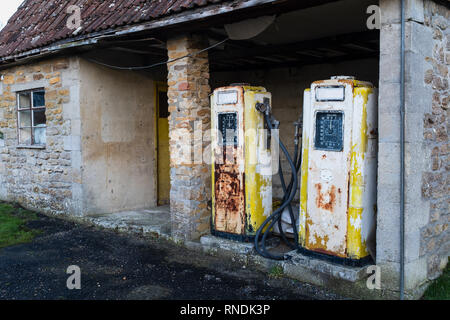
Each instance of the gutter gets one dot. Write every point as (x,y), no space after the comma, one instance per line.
(402,152)
(40,53)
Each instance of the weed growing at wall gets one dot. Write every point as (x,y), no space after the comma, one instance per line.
(13,228)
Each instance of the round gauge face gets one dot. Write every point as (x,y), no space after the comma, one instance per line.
(329,131)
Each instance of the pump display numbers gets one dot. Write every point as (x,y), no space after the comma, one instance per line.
(329,131)
(228,129)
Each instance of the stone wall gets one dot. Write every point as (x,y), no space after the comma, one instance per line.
(190,117)
(435,244)
(426,158)
(46,179)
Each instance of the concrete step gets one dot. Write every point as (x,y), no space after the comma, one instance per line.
(154,222)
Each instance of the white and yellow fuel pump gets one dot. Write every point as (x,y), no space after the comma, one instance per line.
(339,169)
(241,162)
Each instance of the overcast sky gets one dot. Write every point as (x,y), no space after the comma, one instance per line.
(7,9)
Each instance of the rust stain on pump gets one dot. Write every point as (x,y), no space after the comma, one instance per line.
(229,194)
(241,162)
(326,200)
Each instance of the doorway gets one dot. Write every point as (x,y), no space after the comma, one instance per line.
(163,152)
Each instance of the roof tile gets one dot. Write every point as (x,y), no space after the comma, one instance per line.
(38,23)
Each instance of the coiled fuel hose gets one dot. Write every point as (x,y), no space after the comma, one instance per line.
(289,194)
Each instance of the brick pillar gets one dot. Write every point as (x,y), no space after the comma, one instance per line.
(190,117)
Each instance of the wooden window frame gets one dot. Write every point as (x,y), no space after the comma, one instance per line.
(31,109)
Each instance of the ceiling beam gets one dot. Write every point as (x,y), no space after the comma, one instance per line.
(299,63)
(329,42)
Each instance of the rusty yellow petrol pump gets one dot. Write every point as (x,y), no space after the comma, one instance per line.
(241,162)
(339,169)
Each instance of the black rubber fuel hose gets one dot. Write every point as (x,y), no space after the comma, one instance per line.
(276,216)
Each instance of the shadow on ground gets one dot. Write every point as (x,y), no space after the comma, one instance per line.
(118,266)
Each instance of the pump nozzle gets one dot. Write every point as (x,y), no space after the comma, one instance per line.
(275,124)
(298,127)
(264,107)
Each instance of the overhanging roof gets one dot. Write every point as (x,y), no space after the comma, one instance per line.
(39,26)
(38,23)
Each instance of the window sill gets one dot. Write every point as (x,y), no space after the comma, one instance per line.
(30,147)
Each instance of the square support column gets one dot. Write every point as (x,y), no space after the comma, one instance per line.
(189,125)
(426,144)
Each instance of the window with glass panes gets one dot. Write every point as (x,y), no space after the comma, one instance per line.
(31,117)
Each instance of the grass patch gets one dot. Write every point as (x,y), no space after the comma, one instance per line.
(440,288)
(276,272)
(13,228)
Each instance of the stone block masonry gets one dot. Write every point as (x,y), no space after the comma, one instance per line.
(435,236)
(190,115)
(427,239)
(42,178)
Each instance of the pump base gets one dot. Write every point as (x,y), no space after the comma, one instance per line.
(338,260)
(234,237)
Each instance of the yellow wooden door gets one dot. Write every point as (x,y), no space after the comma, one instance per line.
(163,146)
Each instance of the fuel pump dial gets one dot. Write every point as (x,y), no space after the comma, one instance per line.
(329,129)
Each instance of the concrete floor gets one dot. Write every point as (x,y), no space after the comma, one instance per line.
(127,266)
(156,223)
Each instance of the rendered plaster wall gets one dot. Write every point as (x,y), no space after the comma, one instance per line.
(118,140)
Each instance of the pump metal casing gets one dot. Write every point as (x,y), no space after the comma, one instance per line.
(339,168)
(241,162)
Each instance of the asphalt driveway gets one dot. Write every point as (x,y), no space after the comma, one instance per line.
(117,266)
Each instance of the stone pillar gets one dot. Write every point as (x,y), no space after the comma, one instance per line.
(189,122)
(426,135)
(388,190)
